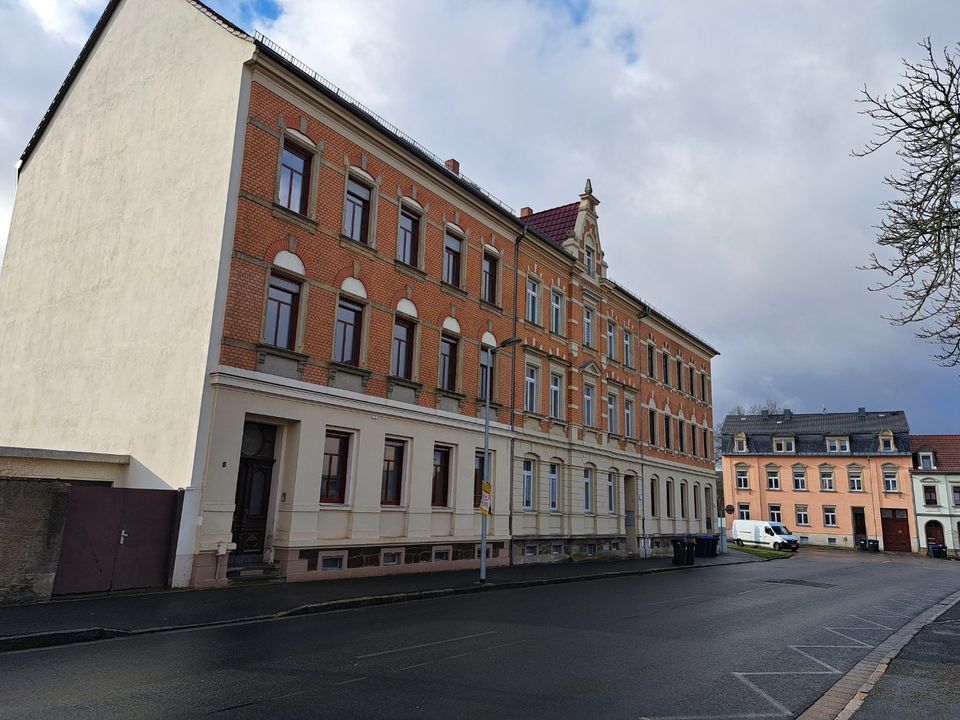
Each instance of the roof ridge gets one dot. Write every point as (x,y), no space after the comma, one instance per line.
(546,210)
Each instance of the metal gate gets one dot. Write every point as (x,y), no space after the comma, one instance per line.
(896,529)
(117,539)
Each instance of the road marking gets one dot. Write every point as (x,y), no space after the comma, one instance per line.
(744,716)
(871,622)
(347,682)
(765,695)
(423,645)
(411,667)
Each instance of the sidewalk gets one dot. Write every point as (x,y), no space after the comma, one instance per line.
(68,621)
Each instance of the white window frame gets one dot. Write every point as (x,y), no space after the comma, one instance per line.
(783,445)
(527,478)
(589,260)
(588,327)
(612,424)
(800,474)
(743,479)
(855,475)
(556,312)
(556,396)
(743,511)
(611,493)
(888,486)
(587,490)
(925,461)
(628,418)
(802,514)
(553,482)
(588,409)
(530,386)
(824,476)
(628,348)
(773,479)
(838,445)
(775,515)
(611,340)
(828,512)
(533,301)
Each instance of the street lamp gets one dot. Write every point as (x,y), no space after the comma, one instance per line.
(485,487)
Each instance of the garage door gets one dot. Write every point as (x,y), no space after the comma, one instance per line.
(896,529)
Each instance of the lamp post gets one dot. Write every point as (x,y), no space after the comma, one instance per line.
(485,487)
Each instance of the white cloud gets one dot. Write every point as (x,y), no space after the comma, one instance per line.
(67,19)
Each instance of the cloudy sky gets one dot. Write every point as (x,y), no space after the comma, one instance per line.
(717,136)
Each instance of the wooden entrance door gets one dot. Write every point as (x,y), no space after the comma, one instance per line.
(896,529)
(934,533)
(253,493)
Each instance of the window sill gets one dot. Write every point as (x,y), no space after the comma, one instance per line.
(282,352)
(452,289)
(307,223)
(393,508)
(481,402)
(326,505)
(349,369)
(410,270)
(557,336)
(403,382)
(451,394)
(348,243)
(892,492)
(438,509)
(534,324)
(492,306)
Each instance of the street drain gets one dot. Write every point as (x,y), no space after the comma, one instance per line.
(807,583)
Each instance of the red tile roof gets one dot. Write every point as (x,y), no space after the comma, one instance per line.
(946,449)
(555,223)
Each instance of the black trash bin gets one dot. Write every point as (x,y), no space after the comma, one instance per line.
(874,545)
(713,545)
(702,547)
(862,544)
(679,554)
(938,551)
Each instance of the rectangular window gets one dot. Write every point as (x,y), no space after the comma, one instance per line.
(533,301)
(856,480)
(331,562)
(346,347)
(743,479)
(775,513)
(531,383)
(627,349)
(448,363)
(588,405)
(588,260)
(890,481)
(783,445)
(666,369)
(692,386)
(488,285)
(356,216)
(703,386)
(830,515)
(679,377)
(651,364)
(392,486)
(408,240)
(628,418)
(587,482)
(926,461)
(696,503)
(294,191)
(440,495)
(556,312)
(653,497)
(553,480)
(669,498)
(527,476)
(556,395)
(588,327)
(401,362)
(452,252)
(739,445)
(838,445)
(743,511)
(486,373)
(477,478)
(956,495)
(930,495)
(707,450)
(886,444)
(652,426)
(667,432)
(333,481)
(683,499)
(611,341)
(799,479)
(283,302)
(612,414)
(611,493)
(682,435)
(826,480)
(773,479)
(693,441)
(802,517)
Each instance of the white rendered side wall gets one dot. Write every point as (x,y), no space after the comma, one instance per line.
(110,276)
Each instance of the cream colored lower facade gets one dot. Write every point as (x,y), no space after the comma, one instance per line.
(602,503)
(301,531)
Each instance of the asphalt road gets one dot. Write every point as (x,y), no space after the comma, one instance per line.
(743,641)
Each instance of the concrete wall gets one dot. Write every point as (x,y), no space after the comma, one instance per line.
(32,516)
(108,285)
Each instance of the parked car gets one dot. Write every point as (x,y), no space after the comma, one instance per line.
(764,533)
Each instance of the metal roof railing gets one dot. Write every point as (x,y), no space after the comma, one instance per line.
(379,120)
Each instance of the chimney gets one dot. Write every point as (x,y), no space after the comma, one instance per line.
(765,413)
(452,165)
(524,211)
(787,414)
(862,412)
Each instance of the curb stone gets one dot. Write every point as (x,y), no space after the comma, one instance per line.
(57,638)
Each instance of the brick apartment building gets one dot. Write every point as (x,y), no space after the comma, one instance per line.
(274,301)
(833,478)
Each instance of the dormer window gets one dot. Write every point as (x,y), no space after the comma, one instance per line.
(886,442)
(838,445)
(783,445)
(926,461)
(740,443)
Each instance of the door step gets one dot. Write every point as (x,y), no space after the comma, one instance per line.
(255,573)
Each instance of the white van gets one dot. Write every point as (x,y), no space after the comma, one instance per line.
(763,533)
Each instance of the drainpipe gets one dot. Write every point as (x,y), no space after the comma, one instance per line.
(645,551)
(513,380)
